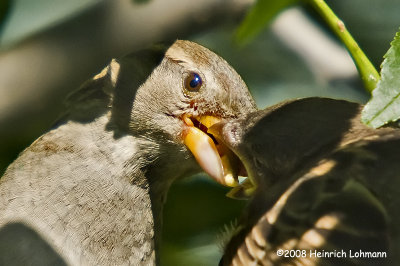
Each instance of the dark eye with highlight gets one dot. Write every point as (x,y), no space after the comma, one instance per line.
(193,82)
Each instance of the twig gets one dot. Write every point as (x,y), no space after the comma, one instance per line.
(368,73)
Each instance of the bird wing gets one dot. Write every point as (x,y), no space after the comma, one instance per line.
(344,205)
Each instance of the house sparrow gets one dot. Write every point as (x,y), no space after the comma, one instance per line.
(91,190)
(324,188)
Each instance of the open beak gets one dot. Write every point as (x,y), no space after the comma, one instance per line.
(247,186)
(213,156)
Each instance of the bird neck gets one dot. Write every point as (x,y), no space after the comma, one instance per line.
(149,163)
(105,186)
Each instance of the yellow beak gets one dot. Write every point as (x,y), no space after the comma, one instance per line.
(216,160)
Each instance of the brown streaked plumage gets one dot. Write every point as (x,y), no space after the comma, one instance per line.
(325,182)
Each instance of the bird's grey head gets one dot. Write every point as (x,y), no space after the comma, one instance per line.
(193,81)
(191,89)
(172,96)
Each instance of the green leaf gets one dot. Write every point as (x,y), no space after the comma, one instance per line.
(384,105)
(258,17)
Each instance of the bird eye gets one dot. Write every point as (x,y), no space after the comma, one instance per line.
(193,82)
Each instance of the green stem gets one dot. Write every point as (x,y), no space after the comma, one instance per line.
(367,71)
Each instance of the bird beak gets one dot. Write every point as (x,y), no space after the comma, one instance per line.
(247,186)
(214,157)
